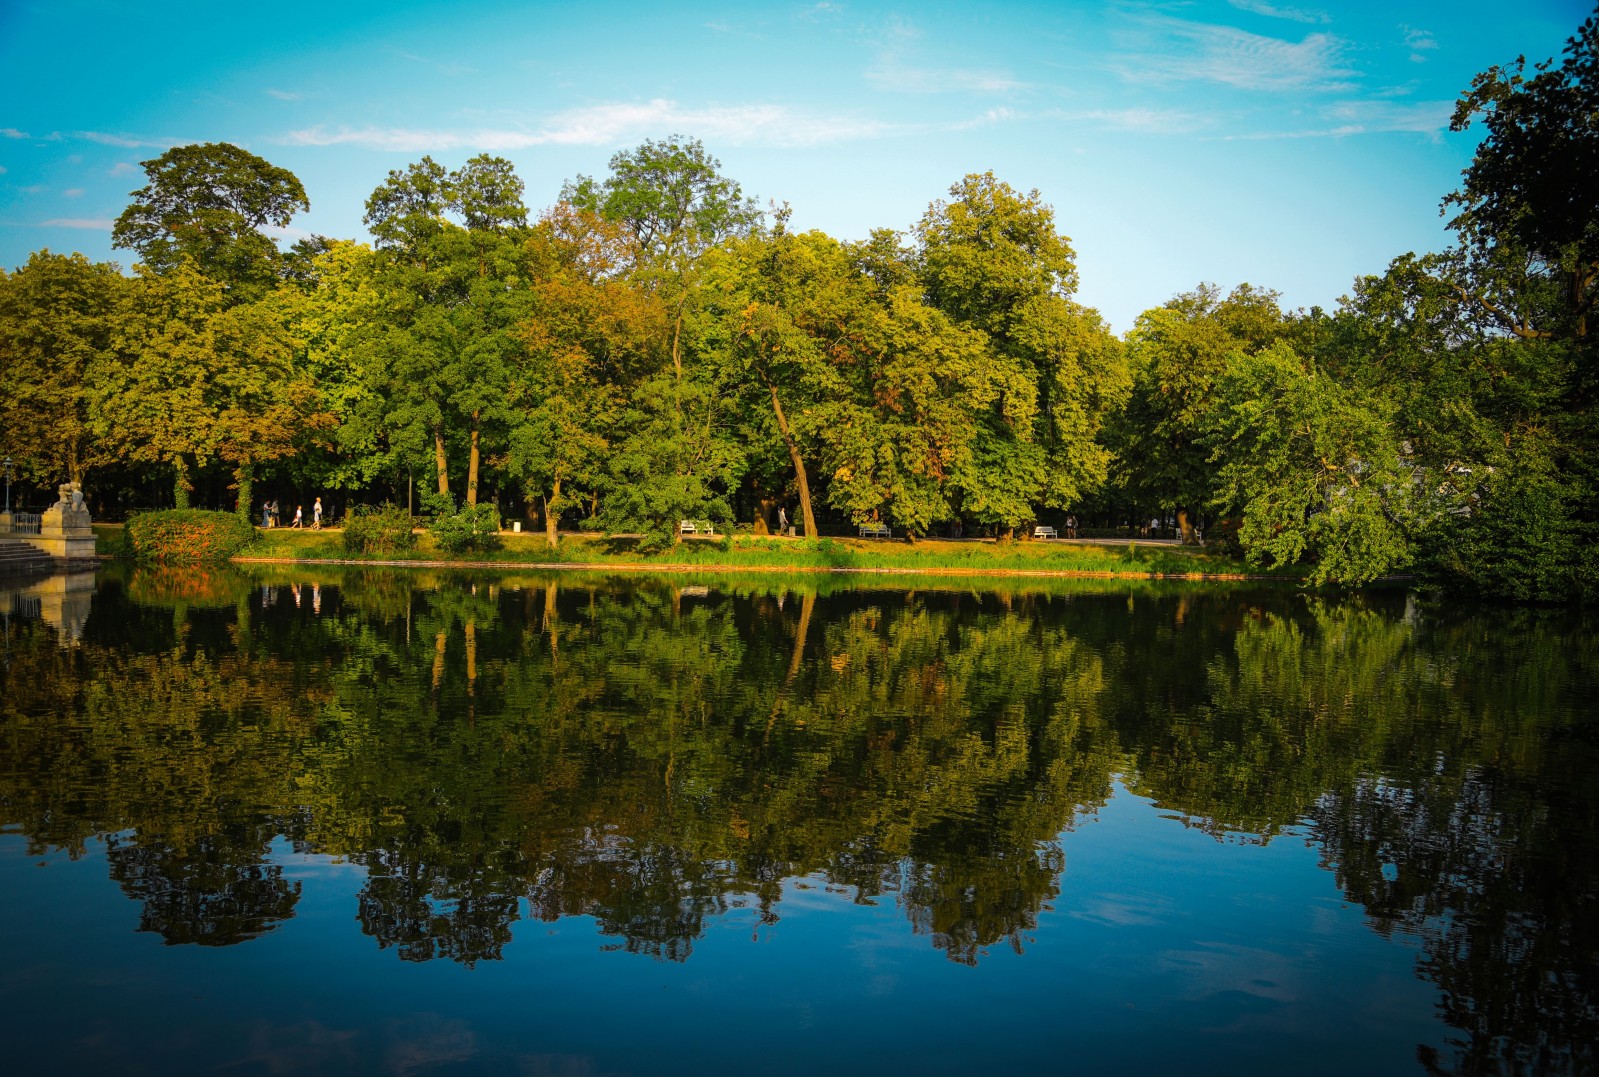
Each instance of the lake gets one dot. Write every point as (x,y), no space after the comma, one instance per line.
(418,822)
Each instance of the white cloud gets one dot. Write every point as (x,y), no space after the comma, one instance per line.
(1272,11)
(125,141)
(1347,118)
(1149,121)
(12,132)
(602,125)
(122,168)
(899,71)
(72,192)
(2,170)
(1202,52)
(91,224)
(1419,42)
(285,95)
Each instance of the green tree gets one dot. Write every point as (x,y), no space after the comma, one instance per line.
(1314,468)
(1177,352)
(58,315)
(210,202)
(990,257)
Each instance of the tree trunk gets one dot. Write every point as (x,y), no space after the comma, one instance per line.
(180,482)
(440,461)
(1185,527)
(806,605)
(552,516)
(246,491)
(471,466)
(764,516)
(799,464)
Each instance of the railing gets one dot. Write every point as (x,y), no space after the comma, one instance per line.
(21,523)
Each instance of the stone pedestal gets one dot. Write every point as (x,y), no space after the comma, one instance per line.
(65,532)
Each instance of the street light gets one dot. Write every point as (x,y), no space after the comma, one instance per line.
(8,483)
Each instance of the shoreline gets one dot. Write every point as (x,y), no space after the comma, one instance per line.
(602,566)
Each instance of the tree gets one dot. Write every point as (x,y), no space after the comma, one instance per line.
(193,379)
(1177,353)
(1529,187)
(57,317)
(589,338)
(991,259)
(1314,468)
(210,203)
(676,204)
(454,295)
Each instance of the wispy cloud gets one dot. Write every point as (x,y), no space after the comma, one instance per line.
(12,132)
(1149,121)
(1419,42)
(88,224)
(602,125)
(1191,51)
(443,67)
(129,142)
(1348,118)
(122,168)
(1272,11)
(285,95)
(899,68)
(2,170)
(72,192)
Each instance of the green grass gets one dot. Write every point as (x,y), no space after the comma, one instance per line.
(799,555)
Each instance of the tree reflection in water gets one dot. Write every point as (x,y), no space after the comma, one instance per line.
(651,754)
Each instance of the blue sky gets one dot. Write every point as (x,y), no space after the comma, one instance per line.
(1291,144)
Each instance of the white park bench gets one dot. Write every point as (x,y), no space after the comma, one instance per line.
(696,527)
(1044,531)
(876,531)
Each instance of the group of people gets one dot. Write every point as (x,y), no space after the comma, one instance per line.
(269,515)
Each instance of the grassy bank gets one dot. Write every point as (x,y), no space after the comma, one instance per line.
(776,554)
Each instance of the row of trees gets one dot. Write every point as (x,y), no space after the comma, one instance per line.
(655,347)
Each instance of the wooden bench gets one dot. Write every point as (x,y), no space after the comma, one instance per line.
(876,531)
(1044,531)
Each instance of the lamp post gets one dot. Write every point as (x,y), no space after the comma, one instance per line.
(8,483)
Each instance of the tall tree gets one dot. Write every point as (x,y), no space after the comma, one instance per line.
(211,202)
(991,258)
(1177,352)
(57,318)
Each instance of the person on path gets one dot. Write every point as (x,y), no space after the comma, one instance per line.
(299,517)
(316,515)
(782,520)
(266,514)
(1071,526)
(274,507)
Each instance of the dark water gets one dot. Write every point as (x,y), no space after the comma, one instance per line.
(414,824)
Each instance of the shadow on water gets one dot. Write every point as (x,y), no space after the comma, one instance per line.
(651,753)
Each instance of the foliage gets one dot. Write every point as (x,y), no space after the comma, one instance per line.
(187,535)
(58,316)
(389,529)
(1314,468)
(209,203)
(474,528)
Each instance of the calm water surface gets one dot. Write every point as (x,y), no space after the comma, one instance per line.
(418,823)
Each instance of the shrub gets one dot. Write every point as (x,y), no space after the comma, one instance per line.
(473,528)
(385,530)
(187,535)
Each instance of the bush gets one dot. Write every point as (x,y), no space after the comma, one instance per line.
(472,529)
(187,535)
(386,530)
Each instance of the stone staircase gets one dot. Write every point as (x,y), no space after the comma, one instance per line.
(18,557)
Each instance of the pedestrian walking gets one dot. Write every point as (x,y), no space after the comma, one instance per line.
(1071,525)
(266,514)
(299,517)
(782,520)
(316,515)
